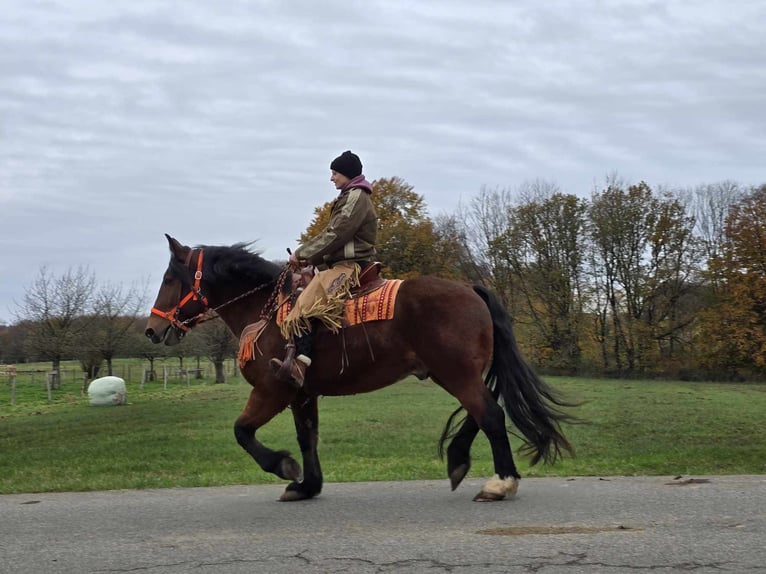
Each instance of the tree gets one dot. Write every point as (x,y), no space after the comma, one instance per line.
(116,309)
(453,252)
(52,306)
(12,341)
(734,330)
(219,344)
(710,205)
(139,346)
(643,258)
(483,223)
(544,248)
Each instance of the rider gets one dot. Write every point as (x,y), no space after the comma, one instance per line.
(337,252)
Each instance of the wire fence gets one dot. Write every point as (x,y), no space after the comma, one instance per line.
(27,379)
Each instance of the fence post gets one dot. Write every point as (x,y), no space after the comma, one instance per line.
(10,370)
(48,378)
(165,376)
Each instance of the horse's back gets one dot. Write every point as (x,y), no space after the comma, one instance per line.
(439,327)
(443,315)
(437,302)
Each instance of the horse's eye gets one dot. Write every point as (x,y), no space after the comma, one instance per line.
(167,281)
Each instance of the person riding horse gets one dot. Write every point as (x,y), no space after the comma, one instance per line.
(338,252)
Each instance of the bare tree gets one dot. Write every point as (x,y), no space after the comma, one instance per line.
(116,309)
(53,305)
(710,205)
(484,222)
(139,346)
(220,345)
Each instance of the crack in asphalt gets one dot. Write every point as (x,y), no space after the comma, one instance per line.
(534,564)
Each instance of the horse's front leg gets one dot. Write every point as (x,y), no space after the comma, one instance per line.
(306,416)
(260,409)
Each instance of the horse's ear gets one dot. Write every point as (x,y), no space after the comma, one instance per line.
(176,249)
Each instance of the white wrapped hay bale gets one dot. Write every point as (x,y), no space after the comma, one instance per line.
(107,392)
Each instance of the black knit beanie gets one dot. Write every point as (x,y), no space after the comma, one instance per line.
(348,164)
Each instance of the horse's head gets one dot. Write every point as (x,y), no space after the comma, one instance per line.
(180,304)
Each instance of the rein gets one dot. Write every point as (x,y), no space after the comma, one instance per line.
(195,294)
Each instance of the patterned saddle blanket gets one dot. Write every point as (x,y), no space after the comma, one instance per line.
(375,305)
(372,305)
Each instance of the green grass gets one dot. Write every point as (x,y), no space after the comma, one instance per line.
(183,436)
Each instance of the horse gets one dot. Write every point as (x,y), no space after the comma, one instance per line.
(458,335)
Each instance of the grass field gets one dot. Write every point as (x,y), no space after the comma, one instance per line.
(182,436)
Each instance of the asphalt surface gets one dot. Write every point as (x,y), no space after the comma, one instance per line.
(646,524)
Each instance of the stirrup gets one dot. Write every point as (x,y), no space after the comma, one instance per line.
(284,370)
(287,372)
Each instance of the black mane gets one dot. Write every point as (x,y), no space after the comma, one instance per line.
(237,263)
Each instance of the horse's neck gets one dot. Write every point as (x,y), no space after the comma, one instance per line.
(242,313)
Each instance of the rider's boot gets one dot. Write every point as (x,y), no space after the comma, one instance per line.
(293,369)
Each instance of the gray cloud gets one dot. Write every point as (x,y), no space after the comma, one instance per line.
(216,122)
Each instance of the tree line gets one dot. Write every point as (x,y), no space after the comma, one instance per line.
(73,317)
(631,281)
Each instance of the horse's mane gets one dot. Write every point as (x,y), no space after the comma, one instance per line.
(237,263)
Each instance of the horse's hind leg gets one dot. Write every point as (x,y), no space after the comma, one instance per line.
(506,479)
(257,412)
(306,417)
(459,451)
(487,415)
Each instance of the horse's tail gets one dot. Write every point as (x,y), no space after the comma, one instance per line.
(533,406)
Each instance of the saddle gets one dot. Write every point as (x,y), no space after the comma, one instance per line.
(369,279)
(373,299)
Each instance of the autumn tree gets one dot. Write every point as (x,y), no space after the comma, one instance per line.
(544,250)
(643,257)
(734,331)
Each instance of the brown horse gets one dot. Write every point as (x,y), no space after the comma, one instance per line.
(458,335)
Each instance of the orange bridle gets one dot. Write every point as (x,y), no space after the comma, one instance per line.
(194,295)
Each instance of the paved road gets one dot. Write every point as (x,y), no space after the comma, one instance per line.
(554,525)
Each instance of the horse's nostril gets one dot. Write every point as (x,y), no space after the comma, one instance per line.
(149,333)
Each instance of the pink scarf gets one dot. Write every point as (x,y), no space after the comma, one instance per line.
(360,182)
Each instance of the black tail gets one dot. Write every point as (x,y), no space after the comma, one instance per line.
(533,407)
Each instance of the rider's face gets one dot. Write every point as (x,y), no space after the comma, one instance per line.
(338,179)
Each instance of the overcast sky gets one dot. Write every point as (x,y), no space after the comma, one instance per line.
(216,121)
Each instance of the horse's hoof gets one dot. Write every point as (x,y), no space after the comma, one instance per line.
(497,488)
(488,497)
(290,469)
(293,495)
(457,475)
